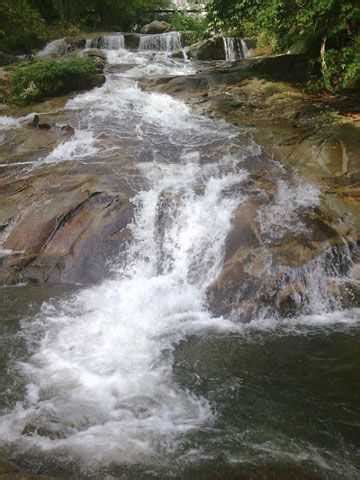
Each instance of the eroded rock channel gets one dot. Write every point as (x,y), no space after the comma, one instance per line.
(188,250)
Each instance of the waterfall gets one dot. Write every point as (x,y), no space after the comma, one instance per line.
(165,42)
(244,47)
(115,41)
(235,49)
(137,376)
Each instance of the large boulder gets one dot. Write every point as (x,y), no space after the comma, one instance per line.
(209,49)
(132,41)
(99,57)
(156,27)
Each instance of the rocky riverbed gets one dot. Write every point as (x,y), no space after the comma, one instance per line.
(183,235)
(316,137)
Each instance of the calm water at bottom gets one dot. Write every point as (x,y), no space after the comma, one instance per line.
(286,403)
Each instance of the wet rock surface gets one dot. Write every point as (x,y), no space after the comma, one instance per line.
(313,137)
(62,224)
(156,27)
(87,212)
(209,49)
(290,237)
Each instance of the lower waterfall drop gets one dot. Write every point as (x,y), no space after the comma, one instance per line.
(164,42)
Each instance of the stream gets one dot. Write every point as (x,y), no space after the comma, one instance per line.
(135,377)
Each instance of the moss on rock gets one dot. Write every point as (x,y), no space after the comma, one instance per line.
(34,81)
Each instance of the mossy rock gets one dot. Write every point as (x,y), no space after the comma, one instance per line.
(34,81)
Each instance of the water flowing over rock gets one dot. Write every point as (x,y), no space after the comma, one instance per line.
(235,49)
(55,48)
(179,238)
(166,42)
(113,42)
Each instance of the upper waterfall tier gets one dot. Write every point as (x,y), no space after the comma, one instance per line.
(165,42)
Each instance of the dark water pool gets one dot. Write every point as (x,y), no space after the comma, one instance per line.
(286,403)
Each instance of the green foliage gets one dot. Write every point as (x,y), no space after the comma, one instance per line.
(306,22)
(194,23)
(28,24)
(21,26)
(45,78)
(343,68)
(194,28)
(123,14)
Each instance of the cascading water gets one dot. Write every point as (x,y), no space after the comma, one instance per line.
(100,381)
(245,49)
(136,377)
(165,42)
(235,49)
(55,48)
(113,42)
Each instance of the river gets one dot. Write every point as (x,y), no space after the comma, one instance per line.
(135,377)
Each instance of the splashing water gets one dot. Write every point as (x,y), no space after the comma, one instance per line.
(80,146)
(8,122)
(54,48)
(113,42)
(99,380)
(99,377)
(165,42)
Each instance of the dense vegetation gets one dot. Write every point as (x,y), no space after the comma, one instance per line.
(328,31)
(26,24)
(46,78)
(325,29)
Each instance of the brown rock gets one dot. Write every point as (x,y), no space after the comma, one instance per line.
(156,27)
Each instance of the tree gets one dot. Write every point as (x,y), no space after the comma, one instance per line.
(21,26)
(330,27)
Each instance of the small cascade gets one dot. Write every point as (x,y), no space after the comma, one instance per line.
(245,49)
(164,42)
(55,48)
(115,41)
(235,49)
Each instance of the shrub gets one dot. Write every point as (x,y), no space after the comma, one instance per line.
(46,78)
(195,28)
(342,70)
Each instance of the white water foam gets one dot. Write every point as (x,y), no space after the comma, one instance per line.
(104,103)
(100,381)
(166,42)
(235,49)
(81,145)
(116,41)
(8,122)
(55,48)
(148,63)
(282,214)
